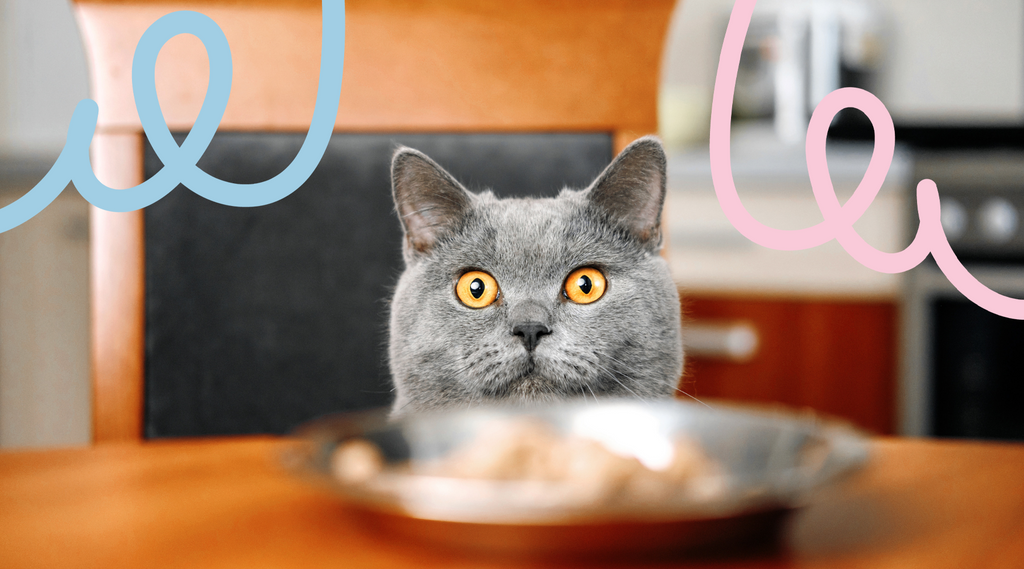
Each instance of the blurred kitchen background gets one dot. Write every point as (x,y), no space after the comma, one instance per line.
(44,264)
(892,353)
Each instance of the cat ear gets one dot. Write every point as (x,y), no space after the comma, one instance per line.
(428,199)
(631,190)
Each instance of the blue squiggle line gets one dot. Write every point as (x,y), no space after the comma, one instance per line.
(73,165)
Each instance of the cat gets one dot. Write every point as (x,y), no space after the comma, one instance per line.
(532,299)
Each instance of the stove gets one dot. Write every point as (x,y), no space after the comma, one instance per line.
(964,366)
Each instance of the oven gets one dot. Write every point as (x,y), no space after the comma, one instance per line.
(963,367)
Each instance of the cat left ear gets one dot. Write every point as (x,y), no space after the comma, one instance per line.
(429,200)
(631,190)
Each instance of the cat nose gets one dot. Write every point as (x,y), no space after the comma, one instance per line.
(530,333)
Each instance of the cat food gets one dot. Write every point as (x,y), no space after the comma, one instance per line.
(528,449)
(357,461)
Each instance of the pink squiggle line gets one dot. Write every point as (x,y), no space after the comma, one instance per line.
(838,219)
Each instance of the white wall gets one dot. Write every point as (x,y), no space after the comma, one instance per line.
(42,74)
(45,390)
(44,311)
(958,59)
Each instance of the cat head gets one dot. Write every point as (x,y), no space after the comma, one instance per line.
(534,299)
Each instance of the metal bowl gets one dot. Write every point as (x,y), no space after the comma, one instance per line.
(770,463)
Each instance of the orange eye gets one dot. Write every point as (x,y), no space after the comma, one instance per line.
(585,285)
(477,289)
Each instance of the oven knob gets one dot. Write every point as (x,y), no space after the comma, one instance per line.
(998,220)
(954,219)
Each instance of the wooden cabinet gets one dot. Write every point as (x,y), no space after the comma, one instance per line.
(835,357)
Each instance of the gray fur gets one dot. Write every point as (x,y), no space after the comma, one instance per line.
(628,343)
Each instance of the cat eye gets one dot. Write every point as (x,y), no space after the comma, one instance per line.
(585,285)
(477,289)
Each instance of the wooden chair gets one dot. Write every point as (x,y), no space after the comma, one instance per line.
(444,66)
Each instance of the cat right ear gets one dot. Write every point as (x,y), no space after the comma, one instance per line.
(428,199)
(631,190)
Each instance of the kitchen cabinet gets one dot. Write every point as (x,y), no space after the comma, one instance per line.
(836,357)
(826,327)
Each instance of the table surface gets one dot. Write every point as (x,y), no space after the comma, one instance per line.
(230,503)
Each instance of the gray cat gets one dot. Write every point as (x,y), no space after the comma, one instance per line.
(522,300)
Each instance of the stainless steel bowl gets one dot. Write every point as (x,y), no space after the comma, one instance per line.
(770,464)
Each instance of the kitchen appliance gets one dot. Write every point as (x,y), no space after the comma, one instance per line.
(964,366)
(796,53)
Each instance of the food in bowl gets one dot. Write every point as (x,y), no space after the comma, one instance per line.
(529,449)
(586,479)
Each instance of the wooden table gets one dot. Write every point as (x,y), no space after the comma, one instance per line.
(229,503)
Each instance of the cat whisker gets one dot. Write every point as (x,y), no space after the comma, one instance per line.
(676,388)
(583,393)
(620,367)
(619,362)
(624,386)
(398,411)
(611,373)
(471,361)
(694,398)
(462,369)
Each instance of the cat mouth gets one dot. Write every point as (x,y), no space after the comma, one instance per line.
(530,384)
(527,384)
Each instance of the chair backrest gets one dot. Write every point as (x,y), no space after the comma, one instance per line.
(577,75)
(260,318)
